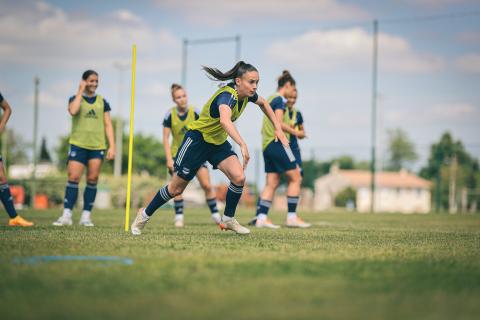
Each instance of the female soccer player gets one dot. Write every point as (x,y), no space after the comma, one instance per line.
(5,195)
(206,140)
(91,122)
(279,160)
(295,119)
(175,123)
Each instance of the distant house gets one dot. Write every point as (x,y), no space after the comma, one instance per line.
(395,191)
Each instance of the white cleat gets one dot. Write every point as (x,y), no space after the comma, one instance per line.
(179,223)
(267,223)
(217,218)
(296,222)
(139,223)
(63,221)
(86,222)
(233,225)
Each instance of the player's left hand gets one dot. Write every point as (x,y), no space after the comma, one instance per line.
(279,135)
(110,154)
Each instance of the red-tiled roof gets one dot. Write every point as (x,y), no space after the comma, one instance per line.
(402,179)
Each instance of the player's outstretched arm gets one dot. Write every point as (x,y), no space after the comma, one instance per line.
(7,111)
(267,110)
(229,127)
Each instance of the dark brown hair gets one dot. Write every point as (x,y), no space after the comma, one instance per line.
(285,78)
(236,72)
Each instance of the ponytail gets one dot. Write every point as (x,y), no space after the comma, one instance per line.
(285,78)
(237,71)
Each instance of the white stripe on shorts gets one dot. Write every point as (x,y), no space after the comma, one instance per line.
(289,152)
(183,150)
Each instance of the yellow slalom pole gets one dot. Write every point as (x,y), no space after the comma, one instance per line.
(130,141)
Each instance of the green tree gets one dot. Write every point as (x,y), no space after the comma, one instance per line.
(401,150)
(437,169)
(44,153)
(16,147)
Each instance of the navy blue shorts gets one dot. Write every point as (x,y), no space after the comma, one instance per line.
(278,158)
(204,165)
(194,151)
(82,155)
(298,158)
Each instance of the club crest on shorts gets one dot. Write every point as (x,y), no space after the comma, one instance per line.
(185,171)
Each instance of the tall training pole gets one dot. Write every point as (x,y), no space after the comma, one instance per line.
(130,141)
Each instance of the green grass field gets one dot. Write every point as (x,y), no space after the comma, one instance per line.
(348,266)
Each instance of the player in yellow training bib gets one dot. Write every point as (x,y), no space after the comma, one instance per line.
(206,140)
(175,124)
(5,195)
(91,122)
(279,160)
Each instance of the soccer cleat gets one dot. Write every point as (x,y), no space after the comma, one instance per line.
(179,223)
(296,222)
(233,225)
(86,222)
(252,222)
(63,221)
(217,218)
(19,222)
(267,223)
(139,223)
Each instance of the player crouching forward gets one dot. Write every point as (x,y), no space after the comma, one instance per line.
(206,140)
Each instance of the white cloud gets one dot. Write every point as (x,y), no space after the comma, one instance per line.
(47,36)
(469,63)
(456,112)
(220,12)
(469,37)
(350,48)
(437,3)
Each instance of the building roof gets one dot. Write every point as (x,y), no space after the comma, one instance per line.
(402,179)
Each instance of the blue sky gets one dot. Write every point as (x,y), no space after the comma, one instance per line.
(428,77)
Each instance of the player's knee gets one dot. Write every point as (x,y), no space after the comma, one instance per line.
(92,179)
(73,177)
(207,187)
(175,191)
(238,179)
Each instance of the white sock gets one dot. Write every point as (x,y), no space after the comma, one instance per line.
(178,217)
(226,218)
(292,215)
(216,216)
(67,213)
(145,216)
(262,217)
(85,215)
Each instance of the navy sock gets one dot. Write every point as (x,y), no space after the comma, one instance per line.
(71,194)
(263,206)
(234,194)
(89,196)
(7,200)
(212,204)
(159,200)
(292,204)
(178,205)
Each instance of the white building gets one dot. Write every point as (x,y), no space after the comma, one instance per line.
(395,191)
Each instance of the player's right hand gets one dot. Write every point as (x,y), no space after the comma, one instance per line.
(82,86)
